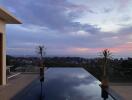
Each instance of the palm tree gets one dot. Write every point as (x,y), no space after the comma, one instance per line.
(106,55)
(41,52)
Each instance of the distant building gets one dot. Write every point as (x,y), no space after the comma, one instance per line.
(5,18)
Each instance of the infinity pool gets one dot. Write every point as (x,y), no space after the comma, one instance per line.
(64,84)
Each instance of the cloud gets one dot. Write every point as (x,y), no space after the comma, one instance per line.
(54,23)
(107,10)
(123,50)
(124,3)
(22,40)
(57,15)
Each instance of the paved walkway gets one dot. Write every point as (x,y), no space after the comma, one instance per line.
(123,89)
(16,85)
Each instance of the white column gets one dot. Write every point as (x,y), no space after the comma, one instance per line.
(3,66)
(4,60)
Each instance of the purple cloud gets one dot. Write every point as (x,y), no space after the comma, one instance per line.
(51,22)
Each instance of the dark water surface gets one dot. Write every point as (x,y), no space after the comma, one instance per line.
(64,84)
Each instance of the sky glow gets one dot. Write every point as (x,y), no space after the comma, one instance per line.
(70,27)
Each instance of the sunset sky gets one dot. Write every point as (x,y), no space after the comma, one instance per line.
(70,27)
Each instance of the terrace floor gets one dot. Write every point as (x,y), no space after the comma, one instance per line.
(15,85)
(123,89)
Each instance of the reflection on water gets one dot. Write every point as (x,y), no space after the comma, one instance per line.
(66,84)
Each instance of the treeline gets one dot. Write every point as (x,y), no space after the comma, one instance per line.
(118,69)
(48,61)
(65,62)
(69,62)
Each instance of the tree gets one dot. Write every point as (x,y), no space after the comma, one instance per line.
(106,56)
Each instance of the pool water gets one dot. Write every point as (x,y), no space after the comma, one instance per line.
(65,84)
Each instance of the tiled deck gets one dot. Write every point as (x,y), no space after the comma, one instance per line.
(123,89)
(15,85)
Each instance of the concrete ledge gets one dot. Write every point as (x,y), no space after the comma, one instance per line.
(15,85)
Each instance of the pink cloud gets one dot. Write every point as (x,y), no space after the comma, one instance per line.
(123,3)
(119,49)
